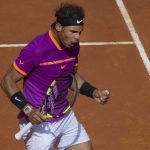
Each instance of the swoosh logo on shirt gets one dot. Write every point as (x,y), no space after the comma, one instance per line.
(21,62)
(63,66)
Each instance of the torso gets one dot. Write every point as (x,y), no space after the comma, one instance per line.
(41,62)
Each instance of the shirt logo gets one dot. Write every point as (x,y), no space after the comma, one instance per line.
(19,100)
(63,66)
(21,62)
(79,21)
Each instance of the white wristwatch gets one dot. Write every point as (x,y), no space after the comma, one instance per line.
(27,109)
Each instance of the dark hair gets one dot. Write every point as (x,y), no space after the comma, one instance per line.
(69,10)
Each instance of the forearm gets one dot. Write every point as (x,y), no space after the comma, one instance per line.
(84,87)
(87,89)
(80,80)
(13,92)
(9,87)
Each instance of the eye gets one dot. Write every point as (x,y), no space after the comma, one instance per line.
(74,31)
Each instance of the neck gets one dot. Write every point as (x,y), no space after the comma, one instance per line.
(56,36)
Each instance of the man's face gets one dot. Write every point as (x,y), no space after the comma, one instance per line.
(69,35)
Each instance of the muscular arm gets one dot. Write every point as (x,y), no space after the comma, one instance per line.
(9,85)
(79,79)
(9,81)
(100,96)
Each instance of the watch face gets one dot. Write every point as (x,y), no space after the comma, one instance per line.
(27,109)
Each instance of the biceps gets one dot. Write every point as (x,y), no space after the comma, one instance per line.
(8,82)
(13,75)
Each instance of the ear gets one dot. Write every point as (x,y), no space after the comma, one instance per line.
(58,27)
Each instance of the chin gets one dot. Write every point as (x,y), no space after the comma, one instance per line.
(68,46)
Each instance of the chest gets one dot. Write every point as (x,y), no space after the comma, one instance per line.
(56,63)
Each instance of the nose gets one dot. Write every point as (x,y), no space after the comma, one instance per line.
(76,37)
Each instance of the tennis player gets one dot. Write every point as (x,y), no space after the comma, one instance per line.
(38,64)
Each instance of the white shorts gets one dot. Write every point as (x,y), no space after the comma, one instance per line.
(62,134)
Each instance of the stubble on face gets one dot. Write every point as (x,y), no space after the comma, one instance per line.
(69,35)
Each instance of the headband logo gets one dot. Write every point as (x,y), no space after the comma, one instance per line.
(70,21)
(79,21)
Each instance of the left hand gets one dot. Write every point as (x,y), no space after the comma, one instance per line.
(101,96)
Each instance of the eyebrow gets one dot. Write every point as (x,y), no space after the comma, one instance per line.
(74,31)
